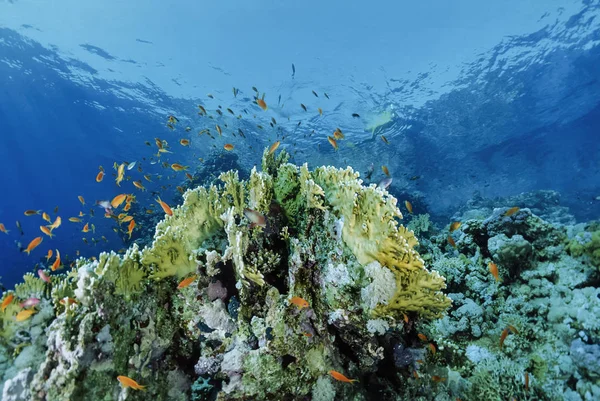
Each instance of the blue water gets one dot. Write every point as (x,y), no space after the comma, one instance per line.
(495,99)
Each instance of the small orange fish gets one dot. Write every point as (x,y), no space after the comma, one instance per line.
(309,335)
(512,211)
(320,110)
(178,167)
(56,223)
(438,379)
(126,219)
(165,207)
(100,176)
(405,317)
(513,329)
(184,142)
(432,348)
(422,337)
(186,282)
(25,314)
(86,228)
(301,303)
(46,231)
(3,229)
(81,199)
(32,212)
(340,377)
(262,104)
(494,270)
(7,300)
(33,244)
(49,255)
(130,227)
(46,217)
(117,200)
(74,219)
(147,178)
(127,382)
(503,337)
(67,301)
(386,171)
(332,142)
(384,139)
(120,174)
(408,206)
(56,264)
(337,134)
(127,207)
(189,176)
(228,147)
(139,185)
(274,147)
(451,242)
(455,225)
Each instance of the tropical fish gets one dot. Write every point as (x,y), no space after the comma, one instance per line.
(118,200)
(29,302)
(86,228)
(130,228)
(56,223)
(451,241)
(178,167)
(274,147)
(3,229)
(165,207)
(43,275)
(46,231)
(127,382)
(202,111)
(384,139)
(186,282)
(293,71)
(228,147)
(189,176)
(337,134)
(33,244)
(46,217)
(120,174)
(326,95)
(340,377)
(49,255)
(386,171)
(32,212)
(256,218)
(437,379)
(147,178)
(455,225)
(503,337)
(494,270)
(408,206)
(56,264)
(385,183)
(19,227)
(513,329)
(355,115)
(422,337)
(299,302)
(81,200)
(173,120)
(100,176)
(184,142)
(332,142)
(130,166)
(7,300)
(66,301)
(320,110)
(25,314)
(262,104)
(235,91)
(512,211)
(432,348)
(139,185)
(303,107)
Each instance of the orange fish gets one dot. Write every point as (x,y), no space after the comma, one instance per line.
(274,147)
(86,228)
(147,178)
(299,302)
(405,316)
(67,301)
(386,171)
(165,207)
(178,167)
(455,225)
(7,300)
(408,205)
(126,219)
(33,244)
(422,337)
(184,142)
(432,348)
(3,229)
(337,134)
(139,185)
(56,264)
(186,282)
(189,176)
(309,335)
(32,212)
(228,147)
(127,382)
(46,231)
(100,176)
(81,200)
(438,379)
(340,377)
(332,142)
(117,200)
(49,255)
(262,104)
(25,314)
(451,242)
(127,206)
(120,174)
(503,337)
(56,223)
(46,217)
(74,219)
(494,270)
(513,329)
(512,211)
(130,227)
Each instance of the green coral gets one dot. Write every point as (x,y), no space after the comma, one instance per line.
(586,243)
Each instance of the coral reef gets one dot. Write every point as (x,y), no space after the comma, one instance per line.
(239,330)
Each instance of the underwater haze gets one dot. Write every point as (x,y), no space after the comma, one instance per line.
(474,124)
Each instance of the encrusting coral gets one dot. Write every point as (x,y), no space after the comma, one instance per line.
(238,331)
